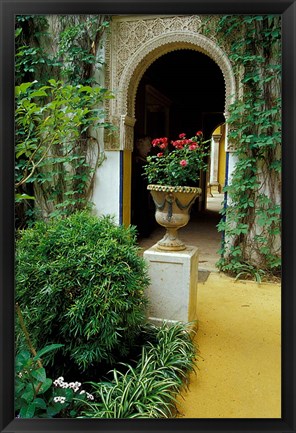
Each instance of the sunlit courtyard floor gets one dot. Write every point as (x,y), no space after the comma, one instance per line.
(238,337)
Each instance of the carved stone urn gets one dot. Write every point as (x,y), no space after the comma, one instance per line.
(172,211)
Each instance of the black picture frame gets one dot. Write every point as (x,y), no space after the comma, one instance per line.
(8,10)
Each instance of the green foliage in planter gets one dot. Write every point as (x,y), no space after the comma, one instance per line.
(80,282)
(149,389)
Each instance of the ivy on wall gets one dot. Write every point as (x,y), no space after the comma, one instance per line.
(251,221)
(59,103)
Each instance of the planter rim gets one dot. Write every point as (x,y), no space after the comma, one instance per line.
(169,188)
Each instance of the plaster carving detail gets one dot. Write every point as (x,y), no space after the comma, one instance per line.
(127,132)
(135,43)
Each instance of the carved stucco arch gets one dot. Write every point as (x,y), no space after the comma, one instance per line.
(145,56)
(160,46)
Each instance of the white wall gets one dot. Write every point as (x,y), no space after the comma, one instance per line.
(231,165)
(106,195)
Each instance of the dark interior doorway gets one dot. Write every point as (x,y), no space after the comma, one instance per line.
(182,91)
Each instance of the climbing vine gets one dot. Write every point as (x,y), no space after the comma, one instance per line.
(251,221)
(59,107)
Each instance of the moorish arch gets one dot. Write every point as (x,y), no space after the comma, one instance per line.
(130,55)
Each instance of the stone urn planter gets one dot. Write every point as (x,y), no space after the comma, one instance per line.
(172,211)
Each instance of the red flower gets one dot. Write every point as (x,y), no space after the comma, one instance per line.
(193,146)
(160,154)
(199,133)
(162,143)
(183,162)
(178,144)
(183,135)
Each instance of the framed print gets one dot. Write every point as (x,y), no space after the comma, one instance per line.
(80,113)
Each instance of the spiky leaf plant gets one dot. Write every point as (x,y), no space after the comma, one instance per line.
(149,389)
(80,282)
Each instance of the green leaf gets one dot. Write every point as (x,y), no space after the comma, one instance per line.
(27,411)
(39,374)
(38,93)
(19,385)
(22,359)
(22,88)
(28,395)
(54,410)
(20,197)
(39,402)
(47,349)
(18,32)
(45,386)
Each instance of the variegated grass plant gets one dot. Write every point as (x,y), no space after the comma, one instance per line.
(149,389)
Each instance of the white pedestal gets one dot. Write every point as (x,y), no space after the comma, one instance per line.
(172,293)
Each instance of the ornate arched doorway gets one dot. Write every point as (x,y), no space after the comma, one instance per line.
(134,44)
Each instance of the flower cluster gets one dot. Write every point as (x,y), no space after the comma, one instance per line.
(179,163)
(71,385)
(60,382)
(59,400)
(162,143)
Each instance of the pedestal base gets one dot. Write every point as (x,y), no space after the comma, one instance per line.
(172,293)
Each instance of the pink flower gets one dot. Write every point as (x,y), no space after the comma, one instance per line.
(193,146)
(160,154)
(183,162)
(162,143)
(178,144)
(183,135)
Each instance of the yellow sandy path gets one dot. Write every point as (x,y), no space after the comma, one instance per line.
(239,338)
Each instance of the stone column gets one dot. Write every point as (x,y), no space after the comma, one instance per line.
(214,182)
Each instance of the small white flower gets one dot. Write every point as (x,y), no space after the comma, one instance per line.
(59,381)
(89,396)
(59,399)
(82,392)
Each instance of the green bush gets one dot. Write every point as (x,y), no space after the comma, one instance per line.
(80,282)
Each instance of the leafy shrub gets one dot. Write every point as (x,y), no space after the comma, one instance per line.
(37,396)
(80,282)
(149,389)
(31,385)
